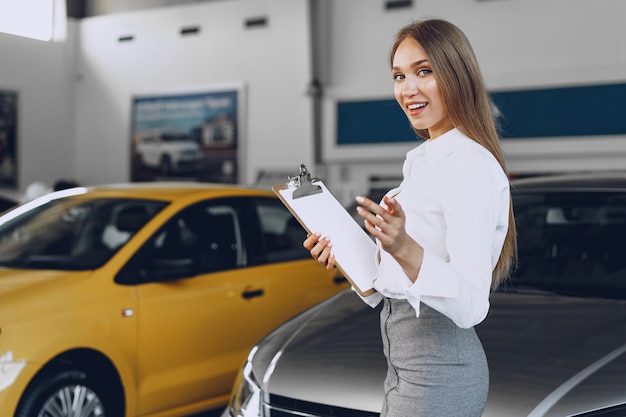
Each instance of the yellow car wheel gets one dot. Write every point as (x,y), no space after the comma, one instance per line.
(66,393)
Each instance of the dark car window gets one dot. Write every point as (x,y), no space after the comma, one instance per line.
(281,233)
(6,204)
(201,239)
(572,242)
(72,233)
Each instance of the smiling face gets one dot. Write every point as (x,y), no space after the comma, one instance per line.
(417,91)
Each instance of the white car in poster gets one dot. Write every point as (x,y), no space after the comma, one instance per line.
(169,152)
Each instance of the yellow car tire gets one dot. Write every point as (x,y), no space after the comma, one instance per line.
(68,392)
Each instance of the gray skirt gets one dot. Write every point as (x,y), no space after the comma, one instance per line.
(435,368)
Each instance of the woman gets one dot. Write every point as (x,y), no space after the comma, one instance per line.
(446,235)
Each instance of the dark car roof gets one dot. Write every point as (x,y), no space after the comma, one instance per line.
(602,181)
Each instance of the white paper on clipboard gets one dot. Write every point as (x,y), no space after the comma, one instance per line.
(354,250)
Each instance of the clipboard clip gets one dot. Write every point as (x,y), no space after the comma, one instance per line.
(303,184)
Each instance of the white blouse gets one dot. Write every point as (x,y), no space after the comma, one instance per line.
(456,199)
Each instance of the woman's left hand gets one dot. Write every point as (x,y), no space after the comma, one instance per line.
(385,224)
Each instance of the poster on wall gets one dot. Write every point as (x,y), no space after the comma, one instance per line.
(8,138)
(190,136)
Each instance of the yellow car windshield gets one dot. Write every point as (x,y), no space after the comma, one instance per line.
(72,233)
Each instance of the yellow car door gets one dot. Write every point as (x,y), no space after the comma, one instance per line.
(194,334)
(199,309)
(211,282)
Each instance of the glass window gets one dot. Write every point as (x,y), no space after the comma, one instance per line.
(28,18)
(72,233)
(282,234)
(200,239)
(572,242)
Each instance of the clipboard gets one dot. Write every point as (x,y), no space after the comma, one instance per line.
(317,210)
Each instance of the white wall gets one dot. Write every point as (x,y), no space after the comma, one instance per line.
(519,44)
(75,96)
(273,62)
(43,75)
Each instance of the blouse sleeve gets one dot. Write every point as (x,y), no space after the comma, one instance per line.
(475,200)
(371,300)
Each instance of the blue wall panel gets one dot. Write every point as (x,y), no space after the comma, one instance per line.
(372,122)
(550,112)
(571,111)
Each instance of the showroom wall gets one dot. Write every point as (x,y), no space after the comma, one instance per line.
(75,97)
(43,75)
(273,62)
(90,140)
(520,44)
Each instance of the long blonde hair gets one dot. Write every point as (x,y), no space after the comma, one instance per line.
(469,106)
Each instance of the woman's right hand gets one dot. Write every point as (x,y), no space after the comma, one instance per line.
(320,250)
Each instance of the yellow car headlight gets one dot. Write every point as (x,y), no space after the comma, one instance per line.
(9,369)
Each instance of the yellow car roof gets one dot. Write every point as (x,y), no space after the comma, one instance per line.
(168,191)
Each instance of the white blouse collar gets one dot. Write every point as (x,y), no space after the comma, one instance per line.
(440,147)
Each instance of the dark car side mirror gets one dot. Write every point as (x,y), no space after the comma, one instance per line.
(172,268)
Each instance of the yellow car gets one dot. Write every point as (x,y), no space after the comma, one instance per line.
(143,300)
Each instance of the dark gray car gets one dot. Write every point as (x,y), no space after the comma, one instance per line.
(555,336)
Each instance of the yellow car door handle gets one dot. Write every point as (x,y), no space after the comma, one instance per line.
(252,293)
